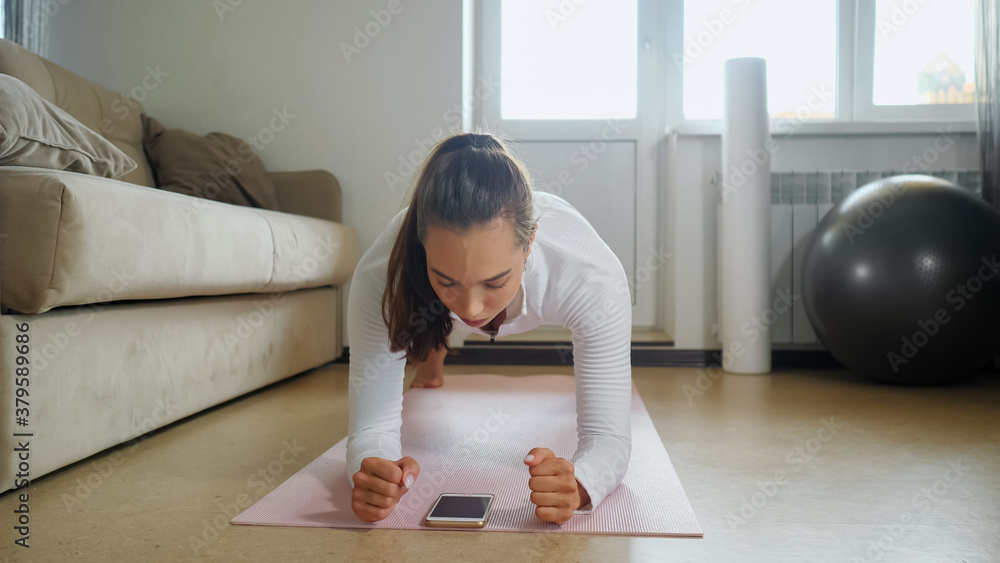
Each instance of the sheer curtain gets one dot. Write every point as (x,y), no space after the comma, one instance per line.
(26,22)
(987,89)
(987,104)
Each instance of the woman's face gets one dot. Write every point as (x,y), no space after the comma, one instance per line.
(475,274)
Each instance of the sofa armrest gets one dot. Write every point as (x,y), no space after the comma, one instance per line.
(314,193)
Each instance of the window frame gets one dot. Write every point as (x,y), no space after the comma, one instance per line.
(488,51)
(481,61)
(665,34)
(864,80)
(855,114)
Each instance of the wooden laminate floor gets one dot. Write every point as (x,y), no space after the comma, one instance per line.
(872,473)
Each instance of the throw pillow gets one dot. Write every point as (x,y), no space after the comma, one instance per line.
(217,166)
(35,132)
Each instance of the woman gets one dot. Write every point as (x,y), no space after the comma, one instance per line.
(477,246)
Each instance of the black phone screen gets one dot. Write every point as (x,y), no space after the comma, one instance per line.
(461,507)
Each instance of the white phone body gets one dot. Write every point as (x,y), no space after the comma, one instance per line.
(460,510)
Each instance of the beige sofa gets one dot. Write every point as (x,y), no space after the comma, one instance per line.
(126,308)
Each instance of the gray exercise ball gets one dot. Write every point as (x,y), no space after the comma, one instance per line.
(901,281)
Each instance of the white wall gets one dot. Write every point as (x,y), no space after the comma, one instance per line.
(229,73)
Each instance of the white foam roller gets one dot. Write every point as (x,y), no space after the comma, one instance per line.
(745,226)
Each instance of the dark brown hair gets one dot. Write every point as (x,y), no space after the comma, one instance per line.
(469,180)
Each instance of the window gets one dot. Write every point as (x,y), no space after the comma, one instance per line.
(853,66)
(716,30)
(558,63)
(927,60)
(879,60)
(579,93)
(915,60)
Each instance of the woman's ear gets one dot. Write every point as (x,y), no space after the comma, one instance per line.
(527,251)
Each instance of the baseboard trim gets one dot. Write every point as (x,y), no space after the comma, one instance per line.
(643,355)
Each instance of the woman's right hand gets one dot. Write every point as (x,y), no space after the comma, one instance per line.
(379,485)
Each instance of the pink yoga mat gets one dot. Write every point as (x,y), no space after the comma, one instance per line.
(490,422)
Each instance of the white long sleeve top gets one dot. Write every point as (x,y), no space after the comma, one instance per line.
(573,280)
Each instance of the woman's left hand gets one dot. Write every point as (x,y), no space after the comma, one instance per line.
(554,488)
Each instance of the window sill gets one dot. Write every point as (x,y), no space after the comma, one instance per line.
(784,128)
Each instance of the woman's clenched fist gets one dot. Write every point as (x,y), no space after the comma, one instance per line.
(379,485)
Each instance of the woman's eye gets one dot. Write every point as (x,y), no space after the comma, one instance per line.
(501,286)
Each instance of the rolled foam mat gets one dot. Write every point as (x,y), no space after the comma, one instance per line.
(471,436)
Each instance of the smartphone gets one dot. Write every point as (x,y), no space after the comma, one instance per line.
(456,510)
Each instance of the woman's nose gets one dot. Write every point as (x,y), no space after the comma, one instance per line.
(471,305)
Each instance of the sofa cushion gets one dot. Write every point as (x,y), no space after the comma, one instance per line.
(73,239)
(34,132)
(217,166)
(113,115)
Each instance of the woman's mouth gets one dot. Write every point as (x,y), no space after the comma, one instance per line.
(473,323)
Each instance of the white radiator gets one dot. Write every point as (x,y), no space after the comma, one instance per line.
(799,201)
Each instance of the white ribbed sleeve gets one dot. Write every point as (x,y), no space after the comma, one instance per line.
(375,385)
(573,280)
(589,294)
